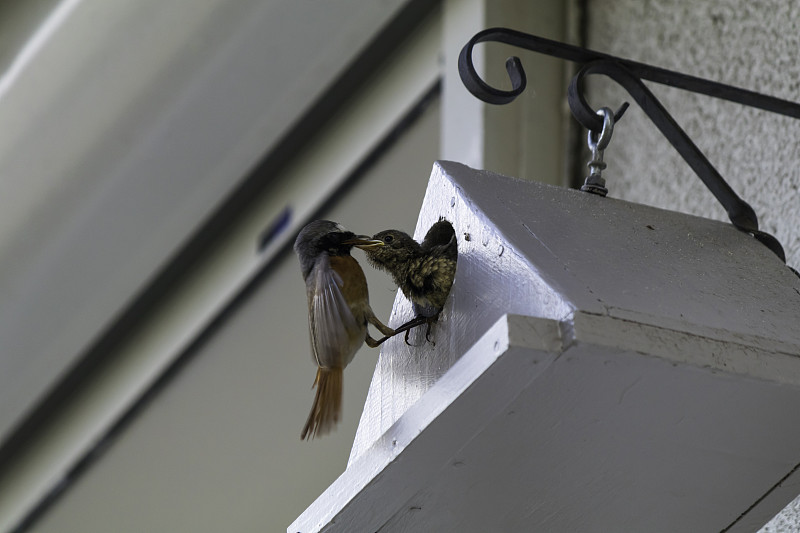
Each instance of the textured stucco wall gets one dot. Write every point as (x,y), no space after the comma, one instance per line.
(754,44)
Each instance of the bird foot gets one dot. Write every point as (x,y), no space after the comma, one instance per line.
(418,321)
(407,327)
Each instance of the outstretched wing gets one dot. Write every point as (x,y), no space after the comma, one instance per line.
(441,240)
(332,325)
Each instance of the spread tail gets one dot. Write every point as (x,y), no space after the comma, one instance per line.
(327,403)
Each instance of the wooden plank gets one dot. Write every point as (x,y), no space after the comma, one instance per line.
(512,353)
(536,250)
(562,434)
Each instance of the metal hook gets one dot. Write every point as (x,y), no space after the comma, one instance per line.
(604,137)
(597,144)
(534,43)
(516,74)
(740,213)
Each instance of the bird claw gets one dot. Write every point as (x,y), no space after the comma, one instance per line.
(407,327)
(418,321)
(406,339)
(427,334)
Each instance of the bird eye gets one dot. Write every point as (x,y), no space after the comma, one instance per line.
(388,239)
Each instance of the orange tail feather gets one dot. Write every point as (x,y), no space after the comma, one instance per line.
(327,403)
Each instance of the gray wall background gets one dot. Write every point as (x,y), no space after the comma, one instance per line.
(752,44)
(749,44)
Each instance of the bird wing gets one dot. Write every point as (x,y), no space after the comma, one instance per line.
(441,241)
(331,323)
(440,234)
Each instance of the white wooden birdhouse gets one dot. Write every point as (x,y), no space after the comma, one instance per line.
(599,366)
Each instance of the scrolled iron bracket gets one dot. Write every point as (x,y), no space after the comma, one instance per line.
(629,74)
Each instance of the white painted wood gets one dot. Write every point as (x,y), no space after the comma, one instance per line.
(538,250)
(665,410)
(550,431)
(508,356)
(627,260)
(491,279)
(770,515)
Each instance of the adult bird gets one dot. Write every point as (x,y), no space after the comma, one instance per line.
(338,314)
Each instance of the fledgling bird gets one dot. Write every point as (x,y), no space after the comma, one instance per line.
(338,313)
(424,272)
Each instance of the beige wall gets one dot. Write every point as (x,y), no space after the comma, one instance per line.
(750,44)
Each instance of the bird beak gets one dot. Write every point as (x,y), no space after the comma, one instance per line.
(364,242)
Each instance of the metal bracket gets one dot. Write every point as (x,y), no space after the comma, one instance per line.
(629,74)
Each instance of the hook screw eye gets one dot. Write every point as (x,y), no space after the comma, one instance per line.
(598,142)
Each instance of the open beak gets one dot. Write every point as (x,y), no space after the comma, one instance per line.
(365,242)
